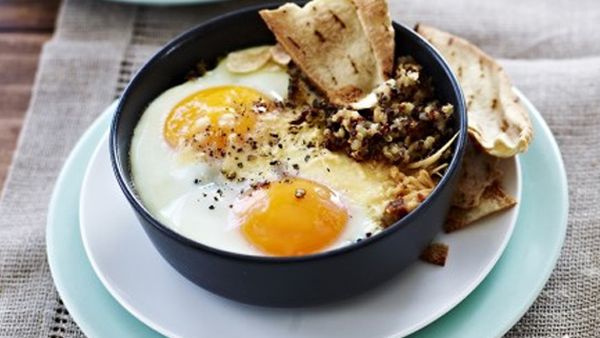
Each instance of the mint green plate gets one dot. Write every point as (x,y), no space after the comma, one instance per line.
(489,311)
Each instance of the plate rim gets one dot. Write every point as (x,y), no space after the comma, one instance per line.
(564,182)
(533,292)
(78,310)
(52,211)
(144,320)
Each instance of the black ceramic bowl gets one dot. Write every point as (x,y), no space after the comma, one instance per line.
(280,281)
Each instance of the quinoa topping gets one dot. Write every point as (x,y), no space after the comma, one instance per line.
(405,124)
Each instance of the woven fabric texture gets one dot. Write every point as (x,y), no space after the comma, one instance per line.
(550,48)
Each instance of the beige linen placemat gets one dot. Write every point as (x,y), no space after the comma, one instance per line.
(550,48)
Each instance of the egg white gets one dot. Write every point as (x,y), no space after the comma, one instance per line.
(193,197)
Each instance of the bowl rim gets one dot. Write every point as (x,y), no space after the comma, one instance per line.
(127,188)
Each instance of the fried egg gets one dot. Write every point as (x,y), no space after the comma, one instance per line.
(219,160)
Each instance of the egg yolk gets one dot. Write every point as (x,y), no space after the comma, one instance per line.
(291,217)
(207,117)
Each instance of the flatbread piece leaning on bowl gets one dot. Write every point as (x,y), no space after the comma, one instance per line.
(499,126)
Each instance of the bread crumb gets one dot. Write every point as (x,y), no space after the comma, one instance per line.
(436,253)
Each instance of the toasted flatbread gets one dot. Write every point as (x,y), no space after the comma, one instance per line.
(375,19)
(498,121)
(435,253)
(326,39)
(492,200)
(478,171)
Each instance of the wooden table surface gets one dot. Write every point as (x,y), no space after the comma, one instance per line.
(24,26)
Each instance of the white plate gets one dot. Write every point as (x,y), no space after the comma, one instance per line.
(146,285)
